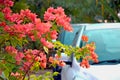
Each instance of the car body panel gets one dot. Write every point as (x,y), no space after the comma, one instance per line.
(105,72)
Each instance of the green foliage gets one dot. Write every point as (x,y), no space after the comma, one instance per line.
(55,73)
(81,11)
(69,50)
(111,11)
(8,65)
(21,4)
(11,40)
(1,16)
(46,76)
(35,67)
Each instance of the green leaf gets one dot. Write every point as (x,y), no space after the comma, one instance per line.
(33,76)
(35,67)
(13,41)
(39,77)
(46,49)
(47,79)
(47,73)
(1,16)
(15,69)
(6,71)
(55,73)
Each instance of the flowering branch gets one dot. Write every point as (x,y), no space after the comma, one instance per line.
(27,72)
(20,29)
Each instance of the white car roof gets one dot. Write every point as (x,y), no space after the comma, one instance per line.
(103,26)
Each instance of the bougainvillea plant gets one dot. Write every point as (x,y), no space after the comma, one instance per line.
(18,31)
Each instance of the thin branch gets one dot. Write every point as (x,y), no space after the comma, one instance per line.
(29,68)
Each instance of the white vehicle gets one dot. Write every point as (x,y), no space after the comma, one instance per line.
(107,39)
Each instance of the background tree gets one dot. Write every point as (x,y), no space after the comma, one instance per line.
(81,11)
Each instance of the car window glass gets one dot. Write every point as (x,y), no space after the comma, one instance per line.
(107,43)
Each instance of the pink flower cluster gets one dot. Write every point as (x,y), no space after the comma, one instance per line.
(11,50)
(26,23)
(7,3)
(15,74)
(59,17)
(36,56)
(27,57)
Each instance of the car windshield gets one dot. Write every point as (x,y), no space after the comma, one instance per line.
(107,43)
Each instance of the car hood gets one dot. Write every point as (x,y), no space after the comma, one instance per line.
(105,72)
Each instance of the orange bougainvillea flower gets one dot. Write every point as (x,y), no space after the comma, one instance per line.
(85,63)
(51,59)
(43,64)
(85,38)
(57,56)
(11,50)
(62,63)
(15,74)
(37,59)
